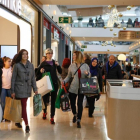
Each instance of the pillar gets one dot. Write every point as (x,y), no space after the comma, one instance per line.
(134,60)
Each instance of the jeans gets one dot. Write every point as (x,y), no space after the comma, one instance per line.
(46,101)
(91,102)
(92,24)
(73,97)
(5,93)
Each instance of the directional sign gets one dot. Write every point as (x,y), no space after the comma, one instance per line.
(66,20)
(129,35)
(82,50)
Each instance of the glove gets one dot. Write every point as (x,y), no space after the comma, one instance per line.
(98,97)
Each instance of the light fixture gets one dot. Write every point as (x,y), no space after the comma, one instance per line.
(54,12)
(124,28)
(64,25)
(128,7)
(105,27)
(110,6)
(70,32)
(111,29)
(115,34)
(67,28)
(122,57)
(120,14)
(112,44)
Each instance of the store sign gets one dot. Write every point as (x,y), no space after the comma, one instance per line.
(129,35)
(65,20)
(82,50)
(46,23)
(14,5)
(56,35)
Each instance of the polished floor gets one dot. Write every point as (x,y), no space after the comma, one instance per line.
(64,129)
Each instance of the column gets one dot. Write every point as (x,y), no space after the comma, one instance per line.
(48,37)
(134,60)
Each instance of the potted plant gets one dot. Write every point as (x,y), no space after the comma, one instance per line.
(79,21)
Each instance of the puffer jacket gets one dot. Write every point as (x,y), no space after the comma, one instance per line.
(74,87)
(23,80)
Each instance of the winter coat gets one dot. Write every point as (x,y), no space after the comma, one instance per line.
(48,68)
(113,73)
(23,80)
(88,61)
(74,87)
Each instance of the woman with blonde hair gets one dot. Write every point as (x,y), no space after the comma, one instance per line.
(78,69)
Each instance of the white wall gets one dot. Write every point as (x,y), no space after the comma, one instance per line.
(99,48)
(97,32)
(50,11)
(8,32)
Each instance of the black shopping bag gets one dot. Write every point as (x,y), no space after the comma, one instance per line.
(89,86)
(65,105)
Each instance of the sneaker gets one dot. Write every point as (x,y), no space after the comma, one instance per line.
(74,119)
(52,121)
(27,129)
(78,125)
(18,125)
(44,116)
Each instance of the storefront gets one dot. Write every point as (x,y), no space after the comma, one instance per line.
(18,28)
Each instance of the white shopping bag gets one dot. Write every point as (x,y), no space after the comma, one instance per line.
(44,85)
(1,113)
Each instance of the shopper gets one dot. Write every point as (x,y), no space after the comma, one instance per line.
(87,59)
(1,66)
(6,80)
(23,79)
(95,71)
(65,65)
(112,69)
(128,68)
(14,60)
(90,22)
(82,72)
(50,66)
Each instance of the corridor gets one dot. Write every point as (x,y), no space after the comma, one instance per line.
(64,129)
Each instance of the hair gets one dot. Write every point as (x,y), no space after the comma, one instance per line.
(79,57)
(66,63)
(5,59)
(19,56)
(49,50)
(44,57)
(86,56)
(14,60)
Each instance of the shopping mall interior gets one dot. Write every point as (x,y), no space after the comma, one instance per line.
(99,30)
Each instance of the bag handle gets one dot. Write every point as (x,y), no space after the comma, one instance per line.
(78,69)
(63,86)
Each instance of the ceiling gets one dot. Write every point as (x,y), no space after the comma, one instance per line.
(90,2)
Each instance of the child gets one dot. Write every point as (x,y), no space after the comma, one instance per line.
(6,80)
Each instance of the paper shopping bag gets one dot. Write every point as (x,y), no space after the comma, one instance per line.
(44,85)
(48,74)
(37,104)
(1,113)
(13,110)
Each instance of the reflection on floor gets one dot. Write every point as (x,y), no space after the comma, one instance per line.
(64,129)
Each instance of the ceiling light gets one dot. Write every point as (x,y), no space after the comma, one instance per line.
(67,28)
(54,12)
(122,57)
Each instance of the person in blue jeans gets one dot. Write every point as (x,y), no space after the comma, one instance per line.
(6,80)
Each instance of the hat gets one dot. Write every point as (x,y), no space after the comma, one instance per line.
(49,50)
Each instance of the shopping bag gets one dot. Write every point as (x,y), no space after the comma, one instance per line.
(48,74)
(1,113)
(57,102)
(89,86)
(13,110)
(65,105)
(84,101)
(44,85)
(37,104)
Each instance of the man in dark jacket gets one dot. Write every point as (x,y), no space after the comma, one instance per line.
(87,59)
(112,69)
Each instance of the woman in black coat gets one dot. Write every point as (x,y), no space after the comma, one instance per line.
(95,71)
(50,66)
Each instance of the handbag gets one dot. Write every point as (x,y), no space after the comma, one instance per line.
(89,86)
(44,85)
(37,104)
(13,110)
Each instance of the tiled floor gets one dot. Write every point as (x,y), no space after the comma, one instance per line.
(64,129)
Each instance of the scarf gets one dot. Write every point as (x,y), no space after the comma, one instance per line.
(94,70)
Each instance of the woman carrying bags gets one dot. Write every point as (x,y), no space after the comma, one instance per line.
(6,80)
(95,71)
(23,80)
(50,66)
(76,70)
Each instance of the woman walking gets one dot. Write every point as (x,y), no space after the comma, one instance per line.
(77,70)
(23,80)
(51,66)
(6,80)
(95,71)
